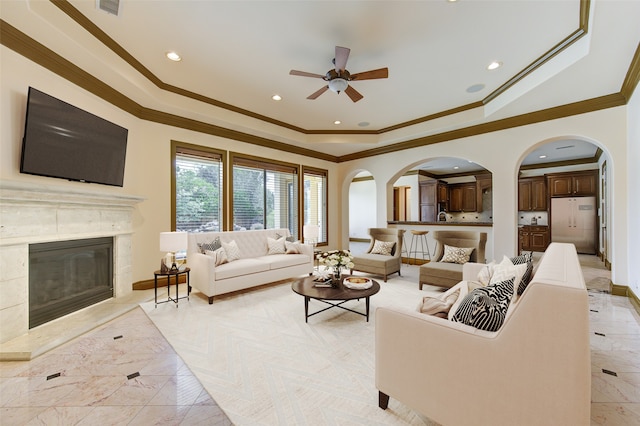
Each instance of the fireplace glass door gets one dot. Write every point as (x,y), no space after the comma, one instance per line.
(66,276)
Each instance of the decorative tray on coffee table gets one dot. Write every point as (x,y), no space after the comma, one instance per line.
(357,283)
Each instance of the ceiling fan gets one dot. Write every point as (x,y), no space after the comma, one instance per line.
(338,79)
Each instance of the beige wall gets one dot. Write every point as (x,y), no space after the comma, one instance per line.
(501,153)
(148,170)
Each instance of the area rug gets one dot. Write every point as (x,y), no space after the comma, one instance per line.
(264,365)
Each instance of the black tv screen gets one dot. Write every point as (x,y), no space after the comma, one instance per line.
(63,141)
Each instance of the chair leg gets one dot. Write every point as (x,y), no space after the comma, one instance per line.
(383,400)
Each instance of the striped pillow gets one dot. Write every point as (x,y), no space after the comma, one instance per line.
(485,308)
(528,274)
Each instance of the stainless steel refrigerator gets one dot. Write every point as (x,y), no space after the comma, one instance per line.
(573,220)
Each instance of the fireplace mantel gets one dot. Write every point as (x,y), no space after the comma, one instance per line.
(31,213)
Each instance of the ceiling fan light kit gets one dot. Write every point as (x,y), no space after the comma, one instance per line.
(338,79)
(338,84)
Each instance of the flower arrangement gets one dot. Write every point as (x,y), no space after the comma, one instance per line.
(338,259)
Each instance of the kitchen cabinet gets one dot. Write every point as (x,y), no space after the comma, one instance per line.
(573,184)
(428,205)
(532,194)
(462,197)
(533,238)
(443,192)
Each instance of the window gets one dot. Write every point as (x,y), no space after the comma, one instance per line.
(315,201)
(265,195)
(197,206)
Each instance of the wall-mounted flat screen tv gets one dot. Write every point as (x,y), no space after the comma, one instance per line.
(64,141)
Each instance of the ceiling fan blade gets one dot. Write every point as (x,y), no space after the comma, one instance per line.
(318,92)
(305,74)
(342,54)
(371,75)
(353,94)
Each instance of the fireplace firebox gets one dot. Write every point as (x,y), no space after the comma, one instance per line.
(66,276)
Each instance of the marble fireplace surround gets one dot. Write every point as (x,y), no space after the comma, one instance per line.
(32,214)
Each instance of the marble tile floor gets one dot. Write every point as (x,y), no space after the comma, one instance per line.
(125,372)
(121,373)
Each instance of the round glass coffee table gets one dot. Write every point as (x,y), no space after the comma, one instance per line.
(332,296)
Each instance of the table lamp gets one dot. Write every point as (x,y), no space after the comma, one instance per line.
(311,234)
(172,242)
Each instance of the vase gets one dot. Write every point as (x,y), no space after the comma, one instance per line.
(335,280)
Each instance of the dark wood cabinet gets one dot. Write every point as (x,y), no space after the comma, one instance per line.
(443,192)
(573,184)
(533,238)
(428,205)
(462,197)
(532,194)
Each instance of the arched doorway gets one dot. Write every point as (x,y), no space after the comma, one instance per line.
(561,196)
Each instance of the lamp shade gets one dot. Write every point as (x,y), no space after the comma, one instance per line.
(173,241)
(310,232)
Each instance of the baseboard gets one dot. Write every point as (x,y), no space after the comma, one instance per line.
(162,282)
(623,290)
(635,301)
(607,264)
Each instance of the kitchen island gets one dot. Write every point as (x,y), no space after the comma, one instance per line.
(408,226)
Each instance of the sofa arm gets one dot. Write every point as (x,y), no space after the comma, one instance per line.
(202,274)
(470,271)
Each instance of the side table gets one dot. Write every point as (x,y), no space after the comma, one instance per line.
(170,274)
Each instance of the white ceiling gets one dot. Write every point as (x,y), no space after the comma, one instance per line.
(240,53)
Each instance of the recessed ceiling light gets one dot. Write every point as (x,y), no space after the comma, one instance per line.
(455,167)
(337,122)
(494,65)
(363,123)
(475,88)
(542,156)
(174,56)
(276,97)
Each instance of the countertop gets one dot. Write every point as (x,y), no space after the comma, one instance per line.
(448,223)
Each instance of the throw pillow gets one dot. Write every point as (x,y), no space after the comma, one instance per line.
(485,308)
(219,256)
(506,270)
(231,250)
(276,246)
(440,305)
(456,254)
(211,246)
(291,238)
(524,258)
(382,247)
(484,276)
(292,248)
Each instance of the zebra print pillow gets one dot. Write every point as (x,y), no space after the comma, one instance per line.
(528,274)
(485,308)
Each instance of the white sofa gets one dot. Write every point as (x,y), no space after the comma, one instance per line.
(255,266)
(535,370)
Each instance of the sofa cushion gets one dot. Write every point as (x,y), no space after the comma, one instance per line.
(277,261)
(485,308)
(373,260)
(382,247)
(456,254)
(241,267)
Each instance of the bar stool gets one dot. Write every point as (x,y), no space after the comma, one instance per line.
(418,237)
